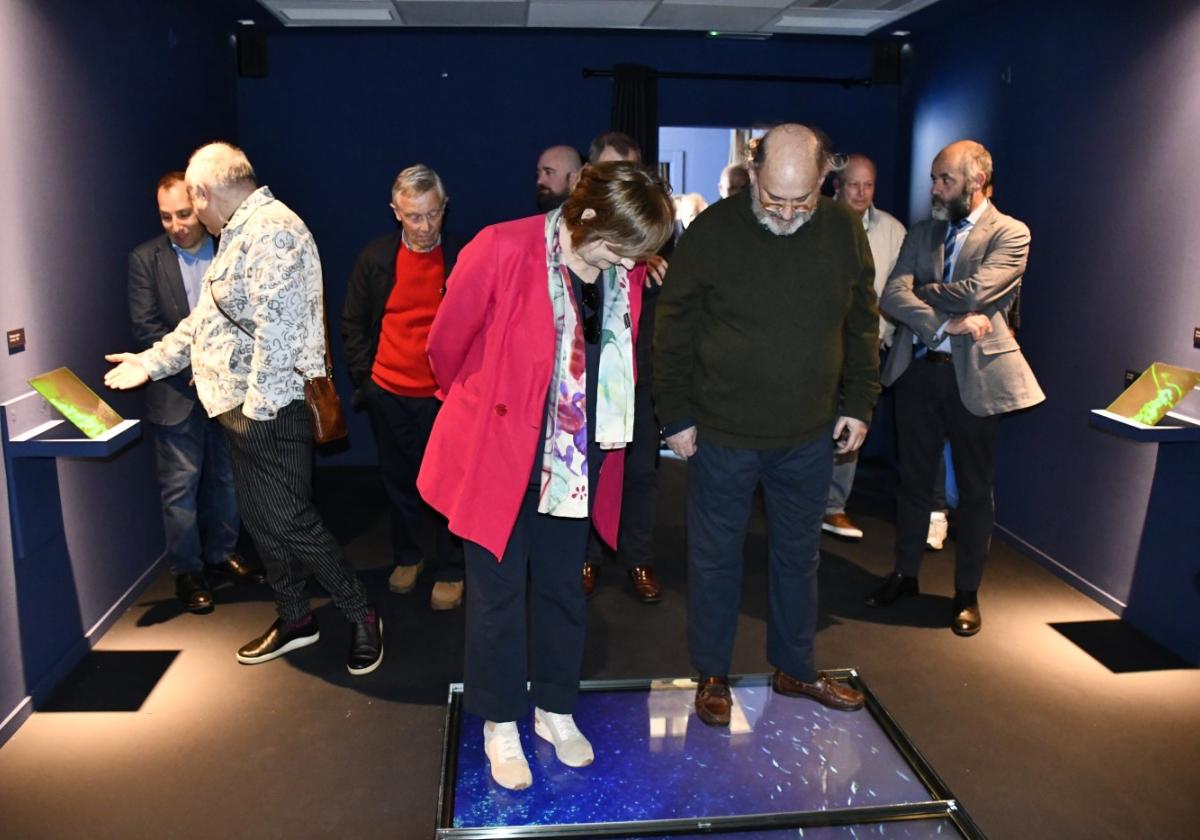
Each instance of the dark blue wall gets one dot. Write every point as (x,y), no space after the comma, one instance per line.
(1092,111)
(341,113)
(96,101)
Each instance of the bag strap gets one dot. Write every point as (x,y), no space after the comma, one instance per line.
(324,324)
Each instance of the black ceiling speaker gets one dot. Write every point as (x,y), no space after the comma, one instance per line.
(885,69)
(251,52)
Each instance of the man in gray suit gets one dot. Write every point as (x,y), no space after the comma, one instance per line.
(200,513)
(956,366)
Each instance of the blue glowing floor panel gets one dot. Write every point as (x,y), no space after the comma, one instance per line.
(655,761)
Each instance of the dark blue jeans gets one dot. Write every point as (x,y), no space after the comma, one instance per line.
(195,476)
(721,484)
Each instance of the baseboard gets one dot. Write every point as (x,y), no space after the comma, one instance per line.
(67,662)
(16,717)
(1056,568)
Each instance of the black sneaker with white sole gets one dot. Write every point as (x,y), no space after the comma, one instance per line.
(366,645)
(279,640)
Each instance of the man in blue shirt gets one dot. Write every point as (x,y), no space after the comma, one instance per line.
(200,513)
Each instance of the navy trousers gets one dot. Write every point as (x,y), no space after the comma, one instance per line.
(542,565)
(721,483)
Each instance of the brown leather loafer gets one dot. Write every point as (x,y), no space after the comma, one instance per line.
(713,701)
(590,572)
(826,691)
(644,584)
(967,618)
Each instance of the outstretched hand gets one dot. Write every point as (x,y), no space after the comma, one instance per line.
(128,373)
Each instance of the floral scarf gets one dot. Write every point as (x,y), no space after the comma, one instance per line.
(564,489)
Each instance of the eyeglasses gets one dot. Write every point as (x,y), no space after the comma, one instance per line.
(421,218)
(795,205)
(591,312)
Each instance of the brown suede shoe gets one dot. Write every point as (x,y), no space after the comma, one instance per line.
(644,585)
(590,572)
(713,701)
(826,691)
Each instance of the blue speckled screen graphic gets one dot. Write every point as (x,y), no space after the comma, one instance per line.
(923,829)
(656,760)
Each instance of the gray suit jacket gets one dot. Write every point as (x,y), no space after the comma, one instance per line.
(157,303)
(993,376)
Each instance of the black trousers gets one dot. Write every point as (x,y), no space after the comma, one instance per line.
(541,564)
(401,426)
(639,500)
(929,410)
(272,469)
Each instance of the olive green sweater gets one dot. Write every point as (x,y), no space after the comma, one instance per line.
(764,340)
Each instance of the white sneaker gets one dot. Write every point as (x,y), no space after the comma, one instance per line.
(570,746)
(502,745)
(939,526)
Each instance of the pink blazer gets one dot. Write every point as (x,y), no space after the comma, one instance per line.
(492,352)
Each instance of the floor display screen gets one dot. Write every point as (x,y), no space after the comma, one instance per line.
(782,764)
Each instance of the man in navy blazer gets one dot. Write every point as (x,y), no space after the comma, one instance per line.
(200,513)
(955,365)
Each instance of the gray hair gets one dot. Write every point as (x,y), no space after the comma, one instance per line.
(416,180)
(221,165)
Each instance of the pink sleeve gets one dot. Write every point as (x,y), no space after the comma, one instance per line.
(470,290)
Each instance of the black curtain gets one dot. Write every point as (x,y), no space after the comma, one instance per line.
(635,107)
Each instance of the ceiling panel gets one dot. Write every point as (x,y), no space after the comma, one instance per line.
(819,17)
(589,14)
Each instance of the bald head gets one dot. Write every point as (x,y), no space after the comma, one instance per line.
(219,177)
(789,164)
(734,179)
(557,171)
(959,177)
(856,183)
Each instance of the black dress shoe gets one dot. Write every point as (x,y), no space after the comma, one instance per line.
(895,586)
(193,592)
(366,645)
(967,619)
(236,570)
(279,639)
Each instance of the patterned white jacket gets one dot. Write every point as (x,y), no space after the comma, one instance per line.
(267,275)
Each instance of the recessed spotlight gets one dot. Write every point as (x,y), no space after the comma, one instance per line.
(245,22)
(901,33)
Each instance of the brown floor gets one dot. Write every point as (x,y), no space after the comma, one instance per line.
(1036,737)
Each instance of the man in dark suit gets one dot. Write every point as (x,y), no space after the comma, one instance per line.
(200,513)
(393,294)
(956,366)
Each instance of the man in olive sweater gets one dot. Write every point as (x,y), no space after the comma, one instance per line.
(766,362)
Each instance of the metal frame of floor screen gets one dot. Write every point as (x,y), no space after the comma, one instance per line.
(941,805)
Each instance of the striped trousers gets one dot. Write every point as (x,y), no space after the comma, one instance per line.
(272,469)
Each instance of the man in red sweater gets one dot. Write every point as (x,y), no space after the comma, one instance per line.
(394,292)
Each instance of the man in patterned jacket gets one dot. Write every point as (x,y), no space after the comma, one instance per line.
(257,325)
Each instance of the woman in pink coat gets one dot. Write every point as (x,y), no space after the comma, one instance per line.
(533,351)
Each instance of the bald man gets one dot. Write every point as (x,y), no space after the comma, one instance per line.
(557,171)
(766,361)
(956,367)
(734,178)
(255,334)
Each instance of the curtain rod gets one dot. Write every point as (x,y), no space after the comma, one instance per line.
(589,73)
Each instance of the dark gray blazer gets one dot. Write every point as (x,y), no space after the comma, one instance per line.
(993,376)
(157,303)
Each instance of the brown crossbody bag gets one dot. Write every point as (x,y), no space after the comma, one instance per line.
(321,397)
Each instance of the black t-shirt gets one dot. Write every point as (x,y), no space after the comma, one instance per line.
(595,455)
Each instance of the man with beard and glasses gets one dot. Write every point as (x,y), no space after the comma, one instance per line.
(557,171)
(956,366)
(766,362)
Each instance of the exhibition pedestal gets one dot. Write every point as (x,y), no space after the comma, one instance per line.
(783,764)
